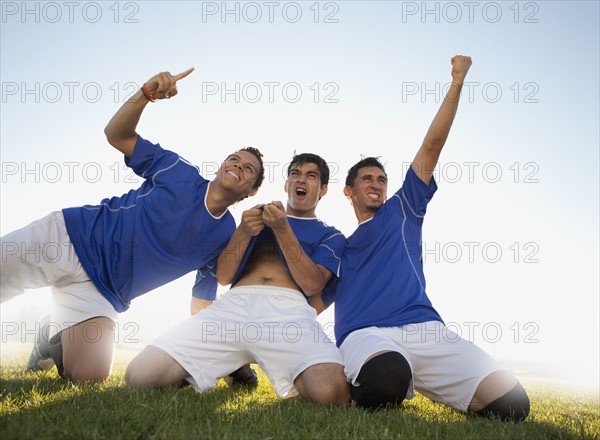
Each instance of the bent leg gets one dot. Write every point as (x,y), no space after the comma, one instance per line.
(87,350)
(454,371)
(30,254)
(500,394)
(197,350)
(324,383)
(154,367)
(383,380)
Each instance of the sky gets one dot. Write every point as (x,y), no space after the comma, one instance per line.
(510,239)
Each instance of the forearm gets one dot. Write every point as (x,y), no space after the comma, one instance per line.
(442,122)
(231,257)
(120,131)
(428,155)
(306,273)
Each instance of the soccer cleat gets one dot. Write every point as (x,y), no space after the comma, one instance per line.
(243,376)
(37,362)
(40,358)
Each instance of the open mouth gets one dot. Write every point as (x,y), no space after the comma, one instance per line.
(231,173)
(374,196)
(301,193)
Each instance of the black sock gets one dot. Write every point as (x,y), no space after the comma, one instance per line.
(513,406)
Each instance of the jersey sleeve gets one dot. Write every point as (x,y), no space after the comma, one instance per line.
(151,161)
(415,194)
(328,293)
(330,250)
(205,286)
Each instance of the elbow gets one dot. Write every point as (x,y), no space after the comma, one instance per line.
(224,280)
(122,141)
(434,145)
(312,288)
(313,285)
(110,135)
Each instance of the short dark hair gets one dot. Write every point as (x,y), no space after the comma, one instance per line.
(366,162)
(261,173)
(311,158)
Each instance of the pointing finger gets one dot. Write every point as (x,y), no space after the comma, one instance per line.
(183,74)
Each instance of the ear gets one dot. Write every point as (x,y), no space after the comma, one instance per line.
(348,191)
(323,191)
(253,192)
(286,186)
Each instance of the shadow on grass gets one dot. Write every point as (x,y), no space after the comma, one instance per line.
(41,405)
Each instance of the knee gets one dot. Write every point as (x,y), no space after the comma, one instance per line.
(512,407)
(86,373)
(337,391)
(139,377)
(132,376)
(324,384)
(384,380)
(154,368)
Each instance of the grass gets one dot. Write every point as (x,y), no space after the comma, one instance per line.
(41,405)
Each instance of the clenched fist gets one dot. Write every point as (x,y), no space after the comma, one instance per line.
(274,215)
(252,221)
(460,67)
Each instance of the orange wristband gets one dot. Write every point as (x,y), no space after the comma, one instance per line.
(147,94)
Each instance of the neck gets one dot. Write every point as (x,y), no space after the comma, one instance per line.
(364,215)
(303,214)
(217,199)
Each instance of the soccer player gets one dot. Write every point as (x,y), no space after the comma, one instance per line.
(276,257)
(176,222)
(392,339)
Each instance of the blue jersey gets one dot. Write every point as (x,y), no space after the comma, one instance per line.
(134,243)
(382,282)
(322,243)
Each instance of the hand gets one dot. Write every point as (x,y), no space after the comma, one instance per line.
(274,215)
(460,67)
(164,85)
(252,221)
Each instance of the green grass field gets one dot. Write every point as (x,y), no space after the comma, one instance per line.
(41,405)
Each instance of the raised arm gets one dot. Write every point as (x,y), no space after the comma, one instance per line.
(120,131)
(310,277)
(429,153)
(231,257)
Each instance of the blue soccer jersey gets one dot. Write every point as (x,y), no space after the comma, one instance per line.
(134,243)
(382,282)
(322,243)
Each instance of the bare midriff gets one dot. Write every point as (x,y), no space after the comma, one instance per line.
(266,267)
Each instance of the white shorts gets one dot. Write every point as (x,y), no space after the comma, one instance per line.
(272,326)
(40,255)
(445,367)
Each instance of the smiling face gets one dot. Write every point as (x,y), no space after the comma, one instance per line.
(304,189)
(368,191)
(239,173)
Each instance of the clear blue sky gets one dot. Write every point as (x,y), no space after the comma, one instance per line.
(511,237)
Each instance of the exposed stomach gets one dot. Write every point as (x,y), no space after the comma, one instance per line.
(266,267)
